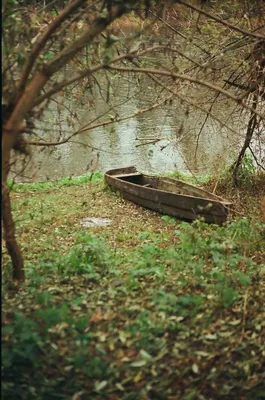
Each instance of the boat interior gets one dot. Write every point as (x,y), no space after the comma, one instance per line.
(165,184)
(137,178)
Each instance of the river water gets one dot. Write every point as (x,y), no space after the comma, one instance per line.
(185,145)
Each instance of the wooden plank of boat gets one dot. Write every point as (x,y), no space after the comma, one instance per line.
(180,206)
(168,196)
(127,175)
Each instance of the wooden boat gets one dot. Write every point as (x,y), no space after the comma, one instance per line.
(168,196)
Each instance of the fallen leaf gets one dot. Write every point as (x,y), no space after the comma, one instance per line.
(202,353)
(138,376)
(195,368)
(139,363)
(100,385)
(210,336)
(235,322)
(145,355)
(96,318)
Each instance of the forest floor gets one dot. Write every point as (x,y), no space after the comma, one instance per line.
(146,308)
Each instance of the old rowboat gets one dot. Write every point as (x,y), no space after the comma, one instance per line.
(168,196)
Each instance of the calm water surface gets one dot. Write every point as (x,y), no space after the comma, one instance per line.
(123,143)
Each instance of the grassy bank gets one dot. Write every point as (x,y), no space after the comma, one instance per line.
(147,307)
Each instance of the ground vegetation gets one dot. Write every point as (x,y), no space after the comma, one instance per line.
(147,307)
(80,36)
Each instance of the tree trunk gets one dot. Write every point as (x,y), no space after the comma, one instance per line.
(252,123)
(25,102)
(9,231)
(8,140)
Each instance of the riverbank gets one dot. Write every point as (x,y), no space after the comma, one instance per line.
(146,307)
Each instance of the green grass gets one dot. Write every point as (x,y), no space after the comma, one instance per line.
(146,308)
(67,181)
(189,178)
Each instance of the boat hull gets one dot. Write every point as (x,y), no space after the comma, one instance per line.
(168,196)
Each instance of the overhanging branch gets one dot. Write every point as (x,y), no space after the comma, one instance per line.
(221,21)
(188,78)
(42,40)
(98,125)
(94,69)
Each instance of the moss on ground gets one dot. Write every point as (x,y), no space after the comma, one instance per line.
(146,308)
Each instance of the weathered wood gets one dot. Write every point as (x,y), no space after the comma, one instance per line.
(126,170)
(168,196)
(184,215)
(125,175)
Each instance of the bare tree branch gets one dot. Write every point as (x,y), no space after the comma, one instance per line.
(26,101)
(98,125)
(190,102)
(184,77)
(221,21)
(94,69)
(42,40)
(179,33)
(97,27)
(256,160)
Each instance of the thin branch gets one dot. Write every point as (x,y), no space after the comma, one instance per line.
(40,79)
(154,141)
(187,100)
(98,25)
(76,17)
(179,33)
(41,9)
(184,77)
(64,106)
(204,123)
(107,112)
(94,148)
(6,69)
(187,58)
(98,125)
(252,123)
(207,115)
(221,21)
(41,42)
(10,65)
(90,71)
(255,158)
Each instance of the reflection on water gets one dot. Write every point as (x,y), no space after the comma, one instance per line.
(121,144)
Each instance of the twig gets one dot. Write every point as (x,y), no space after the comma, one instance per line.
(100,124)
(187,100)
(178,32)
(255,158)
(221,21)
(42,40)
(90,71)
(150,142)
(215,187)
(188,78)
